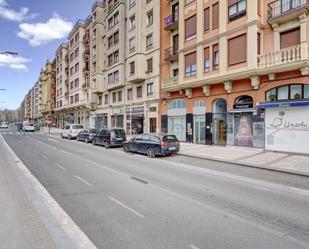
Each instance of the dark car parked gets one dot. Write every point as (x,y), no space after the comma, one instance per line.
(153,144)
(86,135)
(110,137)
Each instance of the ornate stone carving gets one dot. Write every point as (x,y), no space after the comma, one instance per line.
(228,85)
(255,82)
(189,93)
(206,90)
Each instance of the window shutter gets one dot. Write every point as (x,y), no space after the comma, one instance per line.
(206,19)
(237,49)
(215,16)
(290,38)
(190,59)
(190,26)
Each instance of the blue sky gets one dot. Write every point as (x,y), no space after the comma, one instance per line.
(34,29)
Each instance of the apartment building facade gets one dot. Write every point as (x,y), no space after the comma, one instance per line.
(37,103)
(47,83)
(127,92)
(242,73)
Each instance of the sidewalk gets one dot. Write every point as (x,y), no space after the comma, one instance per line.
(258,158)
(30,217)
(53,130)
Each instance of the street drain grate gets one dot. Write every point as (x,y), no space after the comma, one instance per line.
(139,180)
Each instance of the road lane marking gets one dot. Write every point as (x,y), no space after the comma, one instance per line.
(83,180)
(53,140)
(194,247)
(45,157)
(59,166)
(126,207)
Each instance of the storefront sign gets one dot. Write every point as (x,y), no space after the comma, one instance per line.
(139,109)
(281,121)
(243,106)
(117,111)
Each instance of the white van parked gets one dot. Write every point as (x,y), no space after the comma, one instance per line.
(71,131)
(27,126)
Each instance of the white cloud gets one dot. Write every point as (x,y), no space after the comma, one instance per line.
(41,33)
(14,62)
(13,15)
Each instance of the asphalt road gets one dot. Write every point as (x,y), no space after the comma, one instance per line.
(127,201)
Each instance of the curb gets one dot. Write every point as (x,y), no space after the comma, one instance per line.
(286,171)
(74,233)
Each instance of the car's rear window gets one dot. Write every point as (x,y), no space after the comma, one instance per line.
(169,138)
(118,132)
(78,127)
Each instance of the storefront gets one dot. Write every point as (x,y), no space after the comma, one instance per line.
(135,120)
(199,122)
(287,126)
(176,115)
(245,124)
(218,126)
(101,121)
(117,117)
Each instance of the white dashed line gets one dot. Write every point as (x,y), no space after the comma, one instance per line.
(194,247)
(59,166)
(83,180)
(126,207)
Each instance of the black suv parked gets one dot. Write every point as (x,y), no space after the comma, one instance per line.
(110,137)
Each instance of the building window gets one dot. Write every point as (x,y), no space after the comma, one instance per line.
(76,67)
(149,41)
(76,82)
(114,97)
(215,15)
(116,56)
(106,99)
(150,89)
(76,97)
(71,70)
(132,68)
(199,103)
(149,66)
(177,104)
(288,92)
(71,56)
(120,96)
(110,41)
(129,94)
(116,18)
(190,62)
(237,9)
(71,99)
(116,76)
(206,20)
(110,60)
(132,22)
(76,52)
(206,60)
(290,38)
(215,51)
(258,43)
(100,100)
(190,28)
(150,18)
(132,45)
(175,72)
(116,38)
(94,33)
(139,91)
(110,78)
(110,23)
(237,50)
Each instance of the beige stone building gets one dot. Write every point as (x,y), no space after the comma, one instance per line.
(128,89)
(73,94)
(47,83)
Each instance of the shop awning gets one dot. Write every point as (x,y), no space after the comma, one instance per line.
(283,104)
(242,110)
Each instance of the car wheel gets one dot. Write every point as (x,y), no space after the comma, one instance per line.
(150,153)
(126,148)
(106,145)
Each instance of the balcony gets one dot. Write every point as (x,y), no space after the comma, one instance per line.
(86,53)
(67,69)
(168,83)
(66,58)
(85,85)
(86,38)
(171,54)
(171,22)
(284,10)
(286,56)
(86,70)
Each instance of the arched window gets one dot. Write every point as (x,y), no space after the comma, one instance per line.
(288,92)
(199,103)
(219,106)
(177,104)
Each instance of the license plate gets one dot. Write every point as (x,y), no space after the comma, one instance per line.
(172,148)
(119,139)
